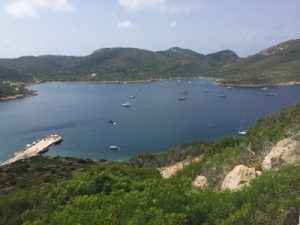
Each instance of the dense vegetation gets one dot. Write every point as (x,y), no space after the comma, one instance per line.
(133,192)
(10,89)
(280,63)
(277,64)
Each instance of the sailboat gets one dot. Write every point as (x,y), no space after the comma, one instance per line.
(241,130)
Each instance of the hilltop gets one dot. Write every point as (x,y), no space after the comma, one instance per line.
(275,65)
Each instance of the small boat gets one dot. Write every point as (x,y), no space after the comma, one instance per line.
(182,98)
(131,96)
(222,96)
(112,122)
(241,130)
(113,147)
(126,104)
(229,88)
(270,94)
(185,92)
(138,89)
(264,89)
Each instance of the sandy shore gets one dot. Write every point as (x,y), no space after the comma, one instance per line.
(36,148)
(168,171)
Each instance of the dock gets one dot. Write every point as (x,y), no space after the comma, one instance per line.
(36,148)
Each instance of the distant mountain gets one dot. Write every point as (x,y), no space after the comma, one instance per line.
(277,64)
(117,64)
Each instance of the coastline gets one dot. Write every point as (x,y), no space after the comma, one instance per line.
(218,81)
(18,96)
(280,84)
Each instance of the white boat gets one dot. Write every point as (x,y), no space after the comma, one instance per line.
(270,94)
(114,147)
(264,89)
(131,96)
(241,130)
(112,122)
(229,88)
(126,104)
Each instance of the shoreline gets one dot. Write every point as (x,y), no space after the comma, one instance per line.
(125,81)
(18,96)
(218,81)
(280,84)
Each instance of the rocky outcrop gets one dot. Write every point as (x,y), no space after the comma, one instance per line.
(286,151)
(239,177)
(200,181)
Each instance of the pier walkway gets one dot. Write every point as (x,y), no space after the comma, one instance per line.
(36,148)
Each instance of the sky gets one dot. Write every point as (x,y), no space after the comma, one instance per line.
(78,27)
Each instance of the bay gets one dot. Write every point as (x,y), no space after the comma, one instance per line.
(156,120)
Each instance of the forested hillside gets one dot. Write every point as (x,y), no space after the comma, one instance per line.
(274,65)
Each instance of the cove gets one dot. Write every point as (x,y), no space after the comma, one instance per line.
(157,119)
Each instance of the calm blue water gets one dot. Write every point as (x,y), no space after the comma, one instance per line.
(155,122)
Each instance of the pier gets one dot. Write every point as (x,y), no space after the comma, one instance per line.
(36,148)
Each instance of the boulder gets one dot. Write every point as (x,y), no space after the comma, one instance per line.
(258,173)
(200,181)
(284,152)
(239,177)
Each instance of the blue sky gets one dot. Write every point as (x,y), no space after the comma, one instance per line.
(78,27)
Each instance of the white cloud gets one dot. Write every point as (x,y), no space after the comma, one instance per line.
(163,6)
(173,24)
(32,8)
(126,24)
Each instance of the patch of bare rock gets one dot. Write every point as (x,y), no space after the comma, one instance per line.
(239,177)
(200,181)
(286,151)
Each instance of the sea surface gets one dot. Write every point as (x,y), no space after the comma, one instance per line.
(156,120)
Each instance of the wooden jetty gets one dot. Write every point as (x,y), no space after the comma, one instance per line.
(36,148)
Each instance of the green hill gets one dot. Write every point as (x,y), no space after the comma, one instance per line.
(278,64)
(274,65)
